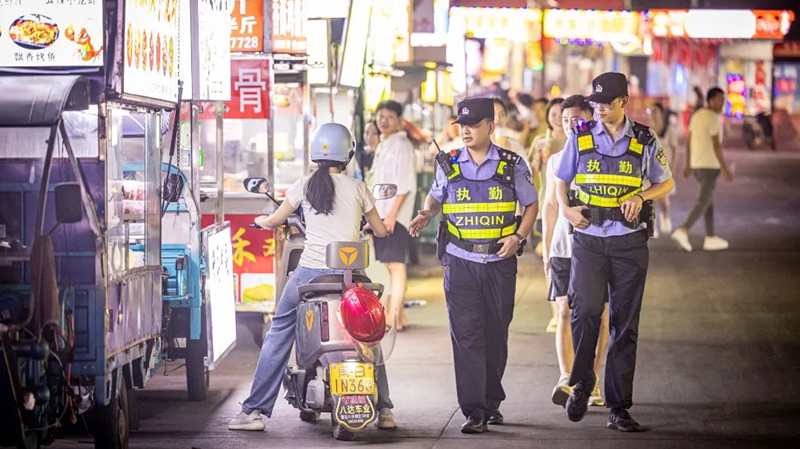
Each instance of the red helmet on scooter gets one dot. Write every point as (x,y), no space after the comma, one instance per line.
(362,315)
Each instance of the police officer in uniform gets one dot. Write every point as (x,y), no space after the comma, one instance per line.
(609,160)
(477,188)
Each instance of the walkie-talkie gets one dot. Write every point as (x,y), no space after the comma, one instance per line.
(443,160)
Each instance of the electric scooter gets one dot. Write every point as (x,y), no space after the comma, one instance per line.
(335,367)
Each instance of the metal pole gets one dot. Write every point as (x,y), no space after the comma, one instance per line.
(220,156)
(45,184)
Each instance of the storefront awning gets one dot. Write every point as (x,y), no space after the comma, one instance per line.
(38,101)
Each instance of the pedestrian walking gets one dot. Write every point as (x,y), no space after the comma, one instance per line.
(395,163)
(660,119)
(557,255)
(503,135)
(609,161)
(704,159)
(477,188)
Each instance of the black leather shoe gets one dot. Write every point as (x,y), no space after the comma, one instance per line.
(474,425)
(495,419)
(578,402)
(620,419)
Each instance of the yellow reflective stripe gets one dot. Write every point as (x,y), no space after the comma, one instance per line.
(635,146)
(621,180)
(600,201)
(456,171)
(481,234)
(468,208)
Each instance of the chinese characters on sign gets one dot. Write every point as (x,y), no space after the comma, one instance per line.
(51,33)
(249,91)
(288,26)
(253,257)
(247,26)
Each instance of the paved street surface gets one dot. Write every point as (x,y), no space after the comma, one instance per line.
(718,363)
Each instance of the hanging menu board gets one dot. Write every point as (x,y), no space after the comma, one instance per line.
(151,49)
(47,33)
(214,78)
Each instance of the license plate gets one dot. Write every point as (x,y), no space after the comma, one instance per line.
(352,378)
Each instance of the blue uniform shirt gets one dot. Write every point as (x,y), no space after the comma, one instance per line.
(524,189)
(654,170)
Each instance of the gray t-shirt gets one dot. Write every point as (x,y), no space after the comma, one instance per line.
(343,224)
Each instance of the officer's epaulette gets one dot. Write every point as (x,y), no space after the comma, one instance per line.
(509,156)
(584,128)
(643,133)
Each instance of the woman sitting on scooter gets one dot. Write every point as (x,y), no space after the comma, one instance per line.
(334,204)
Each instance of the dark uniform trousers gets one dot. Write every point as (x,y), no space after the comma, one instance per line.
(617,264)
(480,305)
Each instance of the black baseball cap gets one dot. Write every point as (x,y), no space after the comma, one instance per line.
(472,110)
(607,87)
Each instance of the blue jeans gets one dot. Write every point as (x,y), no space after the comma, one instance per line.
(278,346)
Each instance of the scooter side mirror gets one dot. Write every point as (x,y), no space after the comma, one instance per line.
(256,185)
(384,191)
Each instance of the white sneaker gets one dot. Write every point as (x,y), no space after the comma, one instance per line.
(715,244)
(665,224)
(682,238)
(596,399)
(386,420)
(552,326)
(244,421)
(562,391)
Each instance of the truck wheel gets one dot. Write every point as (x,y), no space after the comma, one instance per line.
(111,429)
(310,417)
(197,374)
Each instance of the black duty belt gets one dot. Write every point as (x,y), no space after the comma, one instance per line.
(598,215)
(477,248)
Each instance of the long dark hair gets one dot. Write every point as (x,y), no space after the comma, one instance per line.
(666,114)
(320,190)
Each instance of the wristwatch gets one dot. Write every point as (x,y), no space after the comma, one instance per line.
(522,240)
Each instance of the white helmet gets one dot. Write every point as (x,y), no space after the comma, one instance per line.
(332,142)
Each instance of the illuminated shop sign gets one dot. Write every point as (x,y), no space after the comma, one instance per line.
(43,33)
(707,23)
(736,97)
(151,49)
(604,26)
(247,26)
(499,23)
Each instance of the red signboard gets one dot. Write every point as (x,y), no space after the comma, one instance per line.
(288,26)
(250,97)
(247,26)
(787,50)
(772,24)
(253,258)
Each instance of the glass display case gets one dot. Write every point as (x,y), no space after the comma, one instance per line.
(133,207)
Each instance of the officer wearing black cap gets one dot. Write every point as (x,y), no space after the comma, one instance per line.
(609,160)
(477,188)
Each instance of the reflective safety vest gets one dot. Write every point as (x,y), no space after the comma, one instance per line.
(480,211)
(607,181)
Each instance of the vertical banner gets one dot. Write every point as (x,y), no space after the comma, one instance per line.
(151,50)
(288,26)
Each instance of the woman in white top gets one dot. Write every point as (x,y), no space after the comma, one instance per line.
(660,121)
(334,204)
(557,252)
